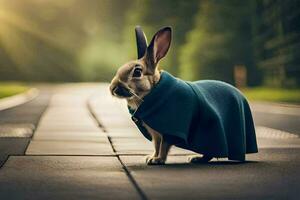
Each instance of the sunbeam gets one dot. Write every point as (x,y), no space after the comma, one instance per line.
(13,32)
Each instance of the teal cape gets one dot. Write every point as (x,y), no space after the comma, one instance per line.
(208,117)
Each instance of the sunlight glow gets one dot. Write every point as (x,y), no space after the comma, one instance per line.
(13,30)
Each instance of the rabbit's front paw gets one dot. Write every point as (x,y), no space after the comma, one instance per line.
(148,157)
(155,161)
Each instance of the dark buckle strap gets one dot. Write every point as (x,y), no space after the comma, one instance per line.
(136,120)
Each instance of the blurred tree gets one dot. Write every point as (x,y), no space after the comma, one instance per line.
(73,40)
(155,14)
(277,41)
(60,40)
(34,48)
(103,50)
(220,40)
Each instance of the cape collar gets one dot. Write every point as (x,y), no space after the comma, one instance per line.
(157,94)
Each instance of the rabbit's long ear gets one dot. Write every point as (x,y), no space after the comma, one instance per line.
(141,41)
(158,47)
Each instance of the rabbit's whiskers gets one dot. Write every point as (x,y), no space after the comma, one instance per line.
(139,98)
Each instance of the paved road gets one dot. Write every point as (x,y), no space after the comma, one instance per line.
(22,117)
(71,157)
(282,117)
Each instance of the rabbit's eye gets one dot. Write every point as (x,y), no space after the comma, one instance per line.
(137,72)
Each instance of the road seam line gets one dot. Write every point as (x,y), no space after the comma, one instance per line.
(38,122)
(126,170)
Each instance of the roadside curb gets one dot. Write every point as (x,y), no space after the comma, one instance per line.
(15,100)
(274,108)
(282,104)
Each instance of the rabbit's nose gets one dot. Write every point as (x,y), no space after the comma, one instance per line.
(114,89)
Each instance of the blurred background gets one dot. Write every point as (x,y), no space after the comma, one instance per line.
(252,44)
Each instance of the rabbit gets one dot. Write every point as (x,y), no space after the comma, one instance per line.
(136,79)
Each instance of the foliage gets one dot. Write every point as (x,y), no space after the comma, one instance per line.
(74,40)
(276,41)
(154,14)
(51,40)
(220,40)
(9,88)
(273,94)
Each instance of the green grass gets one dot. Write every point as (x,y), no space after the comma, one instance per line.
(273,94)
(11,88)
